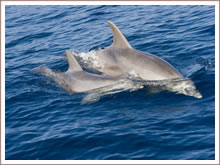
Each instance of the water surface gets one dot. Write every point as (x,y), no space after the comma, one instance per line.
(44,122)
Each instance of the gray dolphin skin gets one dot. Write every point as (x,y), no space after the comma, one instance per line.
(75,80)
(120,58)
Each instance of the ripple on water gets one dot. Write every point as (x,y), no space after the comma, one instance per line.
(44,122)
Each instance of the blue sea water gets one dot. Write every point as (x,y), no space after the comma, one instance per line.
(44,122)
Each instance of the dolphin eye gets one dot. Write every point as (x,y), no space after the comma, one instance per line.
(188,89)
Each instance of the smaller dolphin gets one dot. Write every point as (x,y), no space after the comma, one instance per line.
(75,80)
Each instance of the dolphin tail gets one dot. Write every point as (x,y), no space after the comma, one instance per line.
(73,64)
(119,39)
(45,71)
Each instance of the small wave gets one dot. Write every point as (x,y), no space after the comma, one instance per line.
(28,38)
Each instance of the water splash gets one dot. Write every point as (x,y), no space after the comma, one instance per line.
(181,86)
(88,60)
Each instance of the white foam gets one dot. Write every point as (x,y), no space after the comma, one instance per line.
(181,86)
(88,60)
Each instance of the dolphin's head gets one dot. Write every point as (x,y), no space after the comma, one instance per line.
(189,89)
(183,86)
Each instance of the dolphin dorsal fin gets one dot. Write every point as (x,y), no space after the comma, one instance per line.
(73,64)
(119,39)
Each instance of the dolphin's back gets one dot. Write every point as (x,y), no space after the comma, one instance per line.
(159,68)
(117,61)
(83,81)
(120,58)
(77,80)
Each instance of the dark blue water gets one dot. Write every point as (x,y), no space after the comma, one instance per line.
(45,122)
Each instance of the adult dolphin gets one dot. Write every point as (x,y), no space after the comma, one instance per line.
(121,57)
(75,80)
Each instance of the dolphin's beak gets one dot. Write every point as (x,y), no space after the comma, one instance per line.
(198,95)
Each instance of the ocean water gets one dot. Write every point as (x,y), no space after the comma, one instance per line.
(43,121)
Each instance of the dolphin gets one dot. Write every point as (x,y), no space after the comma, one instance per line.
(120,57)
(75,80)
